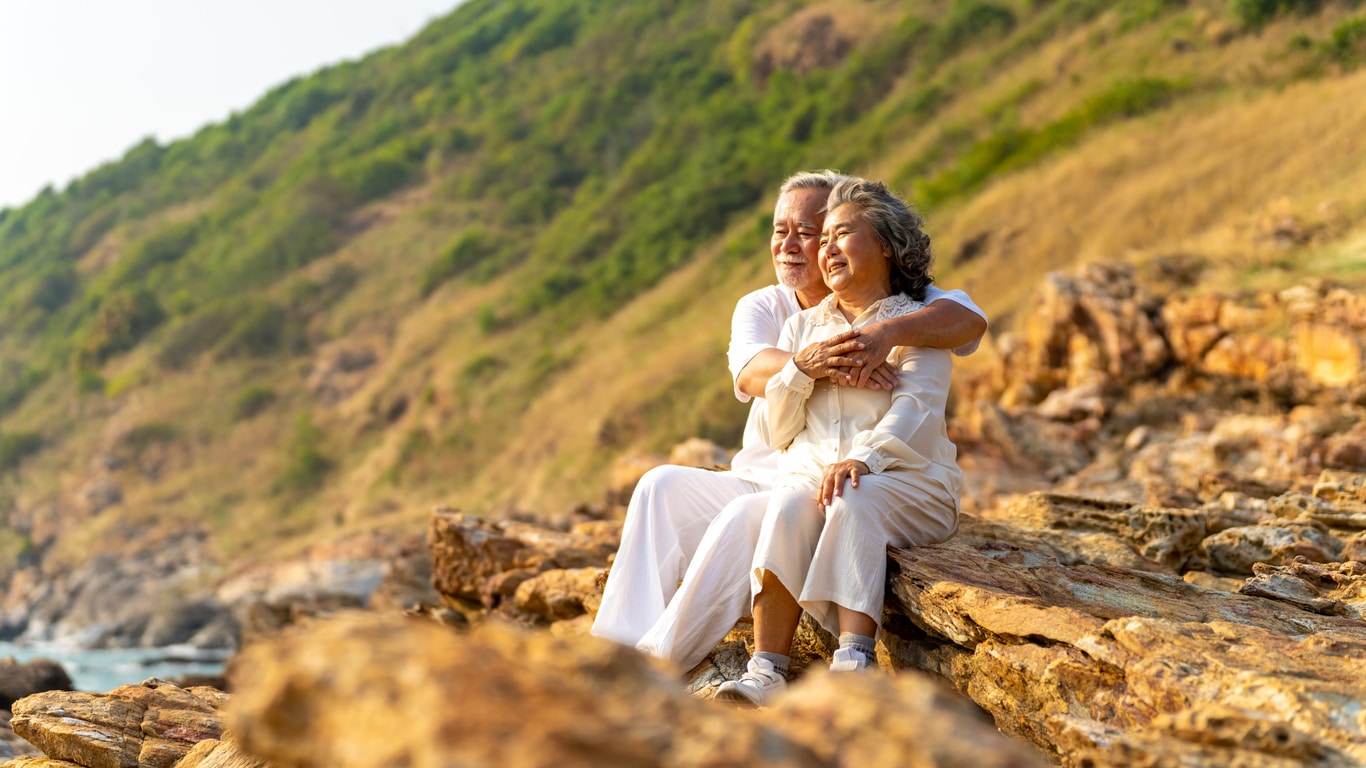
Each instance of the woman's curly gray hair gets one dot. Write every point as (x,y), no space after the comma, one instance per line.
(897,226)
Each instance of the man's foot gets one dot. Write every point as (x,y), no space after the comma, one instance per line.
(849,660)
(760,683)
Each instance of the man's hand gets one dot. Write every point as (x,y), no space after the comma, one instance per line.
(831,358)
(832,481)
(877,346)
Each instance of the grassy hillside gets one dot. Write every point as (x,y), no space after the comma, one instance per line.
(475,268)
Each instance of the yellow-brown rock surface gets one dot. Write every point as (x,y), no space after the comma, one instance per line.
(1090,661)
(151,725)
(381,691)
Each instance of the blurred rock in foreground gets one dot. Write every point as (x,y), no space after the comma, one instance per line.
(385,691)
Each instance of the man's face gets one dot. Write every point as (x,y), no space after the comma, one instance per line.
(797,221)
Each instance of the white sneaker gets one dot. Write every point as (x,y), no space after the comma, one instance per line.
(849,660)
(760,683)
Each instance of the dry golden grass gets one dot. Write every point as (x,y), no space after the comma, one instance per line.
(1203,181)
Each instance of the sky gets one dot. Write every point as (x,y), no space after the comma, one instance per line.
(82,81)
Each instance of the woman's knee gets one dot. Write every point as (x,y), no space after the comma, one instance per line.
(660,479)
(745,512)
(848,509)
(793,509)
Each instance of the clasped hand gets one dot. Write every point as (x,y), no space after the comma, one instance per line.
(834,359)
(832,481)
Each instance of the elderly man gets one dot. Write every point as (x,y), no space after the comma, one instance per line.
(702,526)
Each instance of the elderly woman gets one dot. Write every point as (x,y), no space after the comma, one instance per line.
(861,468)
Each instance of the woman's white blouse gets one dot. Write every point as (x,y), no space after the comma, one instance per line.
(817,423)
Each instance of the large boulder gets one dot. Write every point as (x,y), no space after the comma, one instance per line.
(150,725)
(362,692)
(483,562)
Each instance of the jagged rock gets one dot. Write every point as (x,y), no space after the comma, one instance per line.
(1354,548)
(1344,489)
(112,599)
(1251,356)
(1210,581)
(11,744)
(1236,550)
(1066,546)
(560,594)
(1192,325)
(1347,450)
(1091,400)
(182,621)
(1082,660)
(1100,315)
(334,577)
(1216,484)
(727,662)
(215,753)
(20,679)
(407,579)
(470,554)
(1234,510)
(150,725)
(1166,536)
(1331,589)
(1059,449)
(880,720)
(1331,355)
(1213,735)
(547,701)
(40,762)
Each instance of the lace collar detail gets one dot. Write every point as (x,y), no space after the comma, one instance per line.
(896,305)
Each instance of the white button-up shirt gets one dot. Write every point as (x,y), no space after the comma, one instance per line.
(817,423)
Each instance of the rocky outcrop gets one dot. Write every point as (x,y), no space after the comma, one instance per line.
(1098,348)
(548,701)
(151,725)
(152,595)
(546,574)
(327,578)
(1094,663)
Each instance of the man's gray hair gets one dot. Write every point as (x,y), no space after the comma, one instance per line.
(897,226)
(822,180)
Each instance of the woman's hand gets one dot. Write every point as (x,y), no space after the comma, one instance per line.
(832,482)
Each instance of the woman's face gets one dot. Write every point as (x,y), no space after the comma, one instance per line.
(851,258)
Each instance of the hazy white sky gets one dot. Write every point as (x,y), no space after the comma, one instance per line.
(82,81)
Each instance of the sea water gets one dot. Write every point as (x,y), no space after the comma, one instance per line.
(103,670)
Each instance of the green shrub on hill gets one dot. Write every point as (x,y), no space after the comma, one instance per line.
(467,250)
(251,401)
(1009,147)
(15,446)
(306,464)
(1257,13)
(1347,43)
(121,321)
